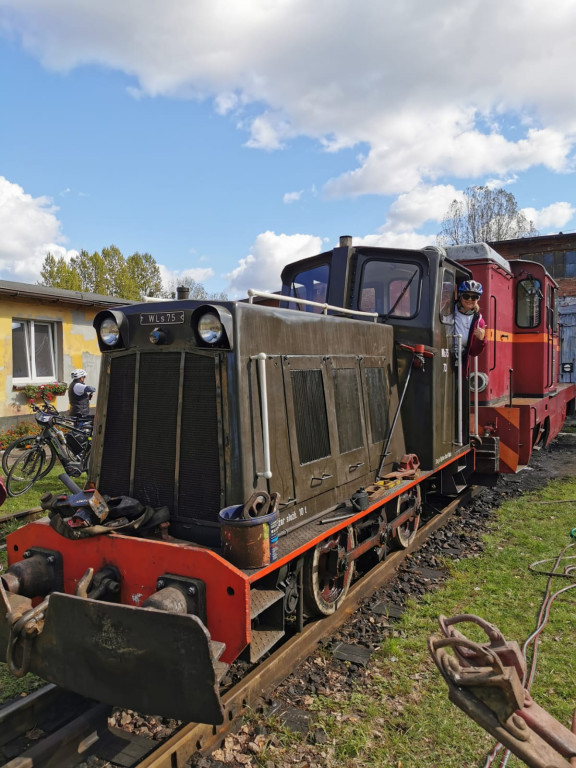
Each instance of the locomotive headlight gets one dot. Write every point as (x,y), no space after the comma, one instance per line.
(213,326)
(210,328)
(109,331)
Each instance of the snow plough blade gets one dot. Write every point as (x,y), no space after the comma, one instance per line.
(152,661)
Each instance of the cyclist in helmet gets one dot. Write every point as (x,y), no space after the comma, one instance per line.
(79,394)
(468,322)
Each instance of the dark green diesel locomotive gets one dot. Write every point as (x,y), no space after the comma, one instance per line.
(272,449)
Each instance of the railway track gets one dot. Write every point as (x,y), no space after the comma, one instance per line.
(24,516)
(53,728)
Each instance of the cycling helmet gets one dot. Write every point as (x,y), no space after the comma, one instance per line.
(79,373)
(470,286)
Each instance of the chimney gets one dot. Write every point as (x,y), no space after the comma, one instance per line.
(182,292)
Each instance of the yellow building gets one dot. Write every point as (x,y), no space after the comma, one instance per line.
(45,333)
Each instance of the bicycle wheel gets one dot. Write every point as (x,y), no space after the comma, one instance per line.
(27,468)
(17,448)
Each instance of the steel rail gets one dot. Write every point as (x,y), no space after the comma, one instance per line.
(72,724)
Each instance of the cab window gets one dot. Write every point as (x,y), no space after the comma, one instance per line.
(310,285)
(528,303)
(447,297)
(552,309)
(390,288)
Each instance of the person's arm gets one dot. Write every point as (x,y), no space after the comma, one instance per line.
(83,389)
(478,340)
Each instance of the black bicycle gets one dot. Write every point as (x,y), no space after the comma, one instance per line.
(66,440)
(17,448)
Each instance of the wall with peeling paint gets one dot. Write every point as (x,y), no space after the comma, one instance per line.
(77,347)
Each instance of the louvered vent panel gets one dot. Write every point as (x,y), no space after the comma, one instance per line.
(310,413)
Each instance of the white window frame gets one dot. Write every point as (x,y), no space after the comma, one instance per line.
(29,331)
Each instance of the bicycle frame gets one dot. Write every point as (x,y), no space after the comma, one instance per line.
(52,437)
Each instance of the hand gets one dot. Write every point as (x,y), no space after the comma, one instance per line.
(480,333)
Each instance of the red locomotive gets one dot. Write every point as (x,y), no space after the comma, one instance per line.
(520,398)
(250,458)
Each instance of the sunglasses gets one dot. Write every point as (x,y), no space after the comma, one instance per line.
(472,296)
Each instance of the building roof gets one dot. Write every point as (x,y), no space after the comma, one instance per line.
(42,293)
(535,243)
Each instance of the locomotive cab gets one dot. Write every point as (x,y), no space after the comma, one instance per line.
(413,292)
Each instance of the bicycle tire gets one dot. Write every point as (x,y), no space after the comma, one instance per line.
(16,449)
(25,471)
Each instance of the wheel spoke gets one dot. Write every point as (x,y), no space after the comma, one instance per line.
(328,574)
(409,502)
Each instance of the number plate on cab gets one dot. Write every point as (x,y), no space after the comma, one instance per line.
(161,318)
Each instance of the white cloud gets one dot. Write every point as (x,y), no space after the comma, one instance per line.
(550,218)
(269,254)
(174,277)
(431,89)
(410,210)
(292,197)
(395,240)
(29,229)
(400,163)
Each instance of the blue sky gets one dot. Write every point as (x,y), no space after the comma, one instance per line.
(227,139)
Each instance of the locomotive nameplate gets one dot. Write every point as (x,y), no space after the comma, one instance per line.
(161,318)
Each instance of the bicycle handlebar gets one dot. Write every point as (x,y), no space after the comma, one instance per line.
(64,421)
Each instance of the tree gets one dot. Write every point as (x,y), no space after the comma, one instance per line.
(111,274)
(107,273)
(57,274)
(484,215)
(142,269)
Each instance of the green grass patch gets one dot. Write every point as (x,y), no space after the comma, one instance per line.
(32,497)
(401,717)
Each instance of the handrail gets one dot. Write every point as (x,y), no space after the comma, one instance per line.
(476,397)
(292,300)
(261,359)
(458,338)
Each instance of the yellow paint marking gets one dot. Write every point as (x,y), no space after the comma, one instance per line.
(508,456)
(508,337)
(511,415)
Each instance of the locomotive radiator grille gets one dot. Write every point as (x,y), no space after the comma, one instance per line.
(156,429)
(164,405)
(199,477)
(117,451)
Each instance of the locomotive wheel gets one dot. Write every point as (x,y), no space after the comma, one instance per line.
(409,501)
(327,574)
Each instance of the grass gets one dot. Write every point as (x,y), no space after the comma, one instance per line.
(406,700)
(31,498)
